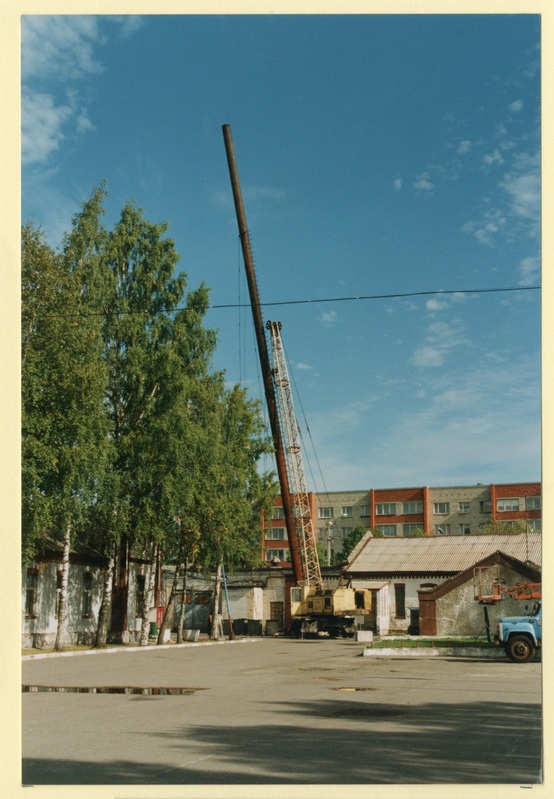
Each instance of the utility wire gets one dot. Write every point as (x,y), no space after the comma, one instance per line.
(388,296)
(399,295)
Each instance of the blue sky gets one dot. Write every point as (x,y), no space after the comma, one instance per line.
(378,155)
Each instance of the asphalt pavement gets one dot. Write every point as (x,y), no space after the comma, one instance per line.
(279,711)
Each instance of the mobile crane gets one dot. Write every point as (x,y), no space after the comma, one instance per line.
(314,609)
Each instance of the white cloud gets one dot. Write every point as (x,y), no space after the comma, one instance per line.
(516,106)
(436,305)
(458,435)
(59,46)
(254,193)
(61,49)
(464,147)
(524,191)
(304,366)
(442,338)
(423,182)
(397,184)
(495,158)
(42,126)
(529,270)
(328,318)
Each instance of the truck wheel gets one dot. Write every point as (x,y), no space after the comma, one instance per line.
(520,649)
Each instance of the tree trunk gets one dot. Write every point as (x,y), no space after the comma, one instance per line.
(165,621)
(147,602)
(216,631)
(182,614)
(61,633)
(104,615)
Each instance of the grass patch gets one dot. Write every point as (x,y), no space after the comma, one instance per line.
(421,643)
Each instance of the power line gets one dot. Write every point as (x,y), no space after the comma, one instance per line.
(397,295)
(386,296)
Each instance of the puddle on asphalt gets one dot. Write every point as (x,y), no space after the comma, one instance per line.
(109,689)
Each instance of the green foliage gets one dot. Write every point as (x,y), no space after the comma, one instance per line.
(127,432)
(350,541)
(496,527)
(64,428)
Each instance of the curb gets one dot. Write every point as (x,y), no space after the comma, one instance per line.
(148,648)
(442,651)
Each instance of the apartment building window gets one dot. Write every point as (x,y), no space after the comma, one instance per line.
(346,510)
(504,505)
(464,507)
(386,508)
(346,531)
(325,513)
(532,503)
(410,529)
(275,533)
(409,508)
(280,554)
(400,600)
(87,595)
(442,529)
(534,524)
(465,529)
(278,513)
(364,510)
(485,506)
(441,508)
(388,530)
(31,587)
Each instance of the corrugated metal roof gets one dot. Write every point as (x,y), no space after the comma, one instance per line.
(440,554)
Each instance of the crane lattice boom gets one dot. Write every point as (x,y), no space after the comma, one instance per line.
(305,533)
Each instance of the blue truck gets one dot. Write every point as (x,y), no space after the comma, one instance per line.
(521,636)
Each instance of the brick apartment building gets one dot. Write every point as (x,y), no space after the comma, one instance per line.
(398,512)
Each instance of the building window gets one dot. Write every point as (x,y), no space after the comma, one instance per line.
(31,594)
(325,513)
(278,513)
(464,507)
(442,529)
(364,510)
(386,508)
(346,510)
(409,508)
(276,533)
(346,531)
(400,600)
(388,530)
(532,503)
(534,524)
(280,554)
(504,505)
(465,529)
(441,508)
(410,529)
(87,595)
(485,506)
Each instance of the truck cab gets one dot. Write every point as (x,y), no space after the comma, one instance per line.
(521,636)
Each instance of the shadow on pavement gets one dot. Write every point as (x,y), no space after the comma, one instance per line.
(468,743)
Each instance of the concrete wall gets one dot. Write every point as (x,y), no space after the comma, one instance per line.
(459,613)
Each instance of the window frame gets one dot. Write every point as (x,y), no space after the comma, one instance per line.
(382,509)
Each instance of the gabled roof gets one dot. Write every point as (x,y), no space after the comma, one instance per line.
(441,554)
(528,571)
